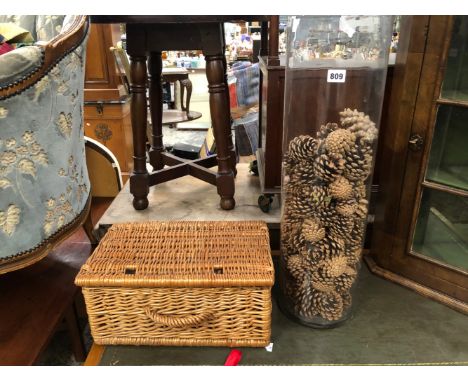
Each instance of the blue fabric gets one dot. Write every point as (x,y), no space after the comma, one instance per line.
(44,182)
(247,83)
(18,63)
(246,134)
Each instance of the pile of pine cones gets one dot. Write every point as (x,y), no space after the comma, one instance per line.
(324,214)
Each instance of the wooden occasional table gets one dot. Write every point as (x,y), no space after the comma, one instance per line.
(147,37)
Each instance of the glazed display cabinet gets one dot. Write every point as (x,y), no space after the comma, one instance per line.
(421,224)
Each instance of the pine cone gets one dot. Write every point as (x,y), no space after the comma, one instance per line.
(297,267)
(325,130)
(297,206)
(328,305)
(303,303)
(361,209)
(341,226)
(326,215)
(297,242)
(347,299)
(346,207)
(353,254)
(303,147)
(289,226)
(291,221)
(312,231)
(303,173)
(338,142)
(304,200)
(344,282)
(350,117)
(328,247)
(327,284)
(312,257)
(288,163)
(317,196)
(360,124)
(358,163)
(334,266)
(340,188)
(360,190)
(293,189)
(357,234)
(328,169)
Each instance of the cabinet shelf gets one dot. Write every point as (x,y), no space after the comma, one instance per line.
(445,241)
(453,176)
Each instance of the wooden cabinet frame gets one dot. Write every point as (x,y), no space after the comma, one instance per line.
(418,76)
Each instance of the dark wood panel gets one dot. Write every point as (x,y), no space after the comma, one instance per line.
(271,123)
(33,302)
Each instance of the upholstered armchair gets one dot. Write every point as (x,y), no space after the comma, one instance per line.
(44,184)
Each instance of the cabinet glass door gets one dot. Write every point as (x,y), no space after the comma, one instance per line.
(441,230)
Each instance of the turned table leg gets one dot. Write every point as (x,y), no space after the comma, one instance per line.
(220,116)
(139,179)
(232,152)
(156,109)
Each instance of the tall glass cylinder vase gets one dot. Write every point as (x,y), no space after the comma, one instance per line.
(334,86)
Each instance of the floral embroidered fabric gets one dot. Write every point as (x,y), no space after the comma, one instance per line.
(44,182)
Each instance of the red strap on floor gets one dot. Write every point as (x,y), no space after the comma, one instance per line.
(233,358)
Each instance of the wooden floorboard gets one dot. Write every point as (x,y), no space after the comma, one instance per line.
(95,355)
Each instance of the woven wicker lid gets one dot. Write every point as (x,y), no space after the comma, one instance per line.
(181,254)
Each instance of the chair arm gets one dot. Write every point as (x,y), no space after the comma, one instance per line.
(19,63)
(52,52)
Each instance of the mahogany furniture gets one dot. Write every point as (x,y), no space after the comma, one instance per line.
(270,145)
(35,300)
(147,37)
(419,237)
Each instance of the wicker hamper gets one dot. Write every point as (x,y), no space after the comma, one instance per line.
(180,284)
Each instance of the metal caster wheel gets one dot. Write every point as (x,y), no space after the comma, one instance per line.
(264,202)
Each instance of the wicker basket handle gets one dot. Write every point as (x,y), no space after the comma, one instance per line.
(177,321)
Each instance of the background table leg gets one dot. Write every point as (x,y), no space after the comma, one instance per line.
(185,84)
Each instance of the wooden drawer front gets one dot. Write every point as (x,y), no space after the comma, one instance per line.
(106,110)
(109,133)
(111,125)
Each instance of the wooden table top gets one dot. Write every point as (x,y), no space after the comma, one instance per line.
(168,19)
